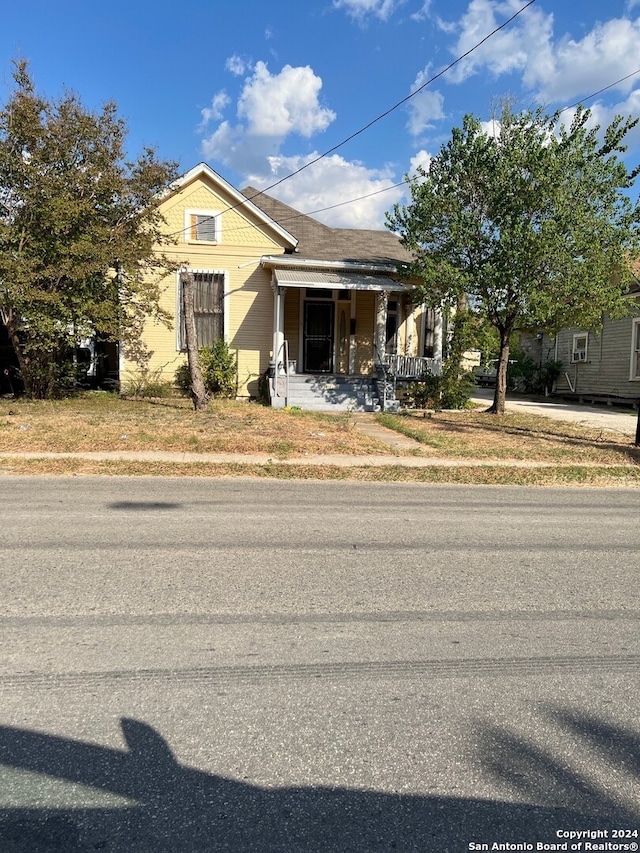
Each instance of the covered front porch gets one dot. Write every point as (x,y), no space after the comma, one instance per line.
(347,334)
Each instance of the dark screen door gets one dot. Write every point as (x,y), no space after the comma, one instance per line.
(318,337)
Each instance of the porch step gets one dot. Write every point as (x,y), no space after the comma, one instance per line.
(325,393)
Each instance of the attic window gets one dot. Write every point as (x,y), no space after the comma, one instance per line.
(202,226)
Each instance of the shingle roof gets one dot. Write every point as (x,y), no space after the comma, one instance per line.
(322,243)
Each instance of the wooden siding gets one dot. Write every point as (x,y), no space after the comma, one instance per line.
(248,303)
(606,370)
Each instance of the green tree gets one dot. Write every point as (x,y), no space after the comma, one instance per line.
(79,231)
(533,224)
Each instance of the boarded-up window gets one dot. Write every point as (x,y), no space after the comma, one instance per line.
(203,227)
(208,307)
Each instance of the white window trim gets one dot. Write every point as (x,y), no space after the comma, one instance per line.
(214,214)
(225,299)
(576,336)
(634,363)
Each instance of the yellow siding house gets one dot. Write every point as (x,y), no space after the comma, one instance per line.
(296,300)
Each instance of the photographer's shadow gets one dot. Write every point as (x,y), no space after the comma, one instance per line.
(161,806)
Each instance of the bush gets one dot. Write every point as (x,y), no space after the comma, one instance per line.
(439,391)
(219,371)
(525,375)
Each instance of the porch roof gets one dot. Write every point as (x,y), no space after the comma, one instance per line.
(336,280)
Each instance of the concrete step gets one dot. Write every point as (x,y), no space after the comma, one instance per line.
(332,393)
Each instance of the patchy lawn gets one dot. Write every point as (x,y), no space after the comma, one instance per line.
(481,436)
(101,421)
(547,452)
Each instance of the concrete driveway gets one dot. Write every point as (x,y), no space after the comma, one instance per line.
(598,417)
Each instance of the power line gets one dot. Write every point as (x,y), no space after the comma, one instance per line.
(382,115)
(600,91)
(402,183)
(387,112)
(395,106)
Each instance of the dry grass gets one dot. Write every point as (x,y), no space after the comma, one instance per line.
(496,475)
(105,422)
(549,452)
(481,436)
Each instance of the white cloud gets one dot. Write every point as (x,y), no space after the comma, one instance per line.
(237,65)
(361,9)
(491,128)
(425,107)
(574,68)
(276,105)
(331,181)
(270,108)
(421,159)
(423,12)
(509,49)
(552,70)
(216,110)
(237,150)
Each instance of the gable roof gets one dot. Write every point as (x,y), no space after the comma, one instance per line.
(202,170)
(317,241)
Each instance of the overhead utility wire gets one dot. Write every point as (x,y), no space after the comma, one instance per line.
(381,116)
(600,91)
(402,183)
(395,106)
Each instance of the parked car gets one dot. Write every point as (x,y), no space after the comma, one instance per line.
(485,375)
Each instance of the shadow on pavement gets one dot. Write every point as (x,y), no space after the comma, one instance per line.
(170,807)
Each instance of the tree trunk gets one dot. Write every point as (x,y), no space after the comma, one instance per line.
(198,391)
(500,393)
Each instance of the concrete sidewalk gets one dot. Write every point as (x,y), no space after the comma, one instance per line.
(383,461)
(264,459)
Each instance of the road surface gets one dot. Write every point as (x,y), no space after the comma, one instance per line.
(193,665)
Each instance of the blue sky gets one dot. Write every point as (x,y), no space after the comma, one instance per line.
(258,89)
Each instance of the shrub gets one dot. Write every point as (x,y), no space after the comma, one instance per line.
(219,371)
(439,391)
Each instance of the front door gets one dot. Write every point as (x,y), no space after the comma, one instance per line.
(318,337)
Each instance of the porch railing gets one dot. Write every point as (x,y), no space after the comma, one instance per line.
(411,366)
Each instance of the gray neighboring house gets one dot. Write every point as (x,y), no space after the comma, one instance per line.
(596,365)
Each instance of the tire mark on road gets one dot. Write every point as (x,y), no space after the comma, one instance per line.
(259,674)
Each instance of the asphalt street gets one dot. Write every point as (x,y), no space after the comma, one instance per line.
(254,665)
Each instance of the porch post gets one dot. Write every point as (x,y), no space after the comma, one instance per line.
(278,394)
(278,322)
(382,298)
